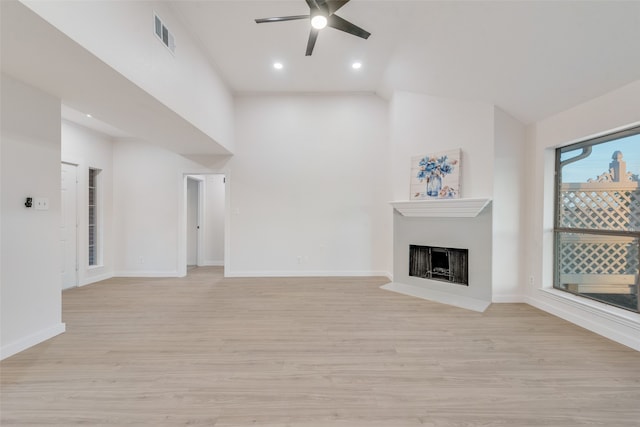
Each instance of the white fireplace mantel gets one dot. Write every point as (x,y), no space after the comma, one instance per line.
(443,208)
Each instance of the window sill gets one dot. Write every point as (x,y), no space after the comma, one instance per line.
(615,314)
(95,267)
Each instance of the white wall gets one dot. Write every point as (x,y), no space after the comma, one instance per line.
(613,111)
(309,188)
(422,124)
(186,82)
(508,209)
(30,291)
(150,209)
(214,224)
(89,149)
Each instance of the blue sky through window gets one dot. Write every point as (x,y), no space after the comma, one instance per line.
(598,162)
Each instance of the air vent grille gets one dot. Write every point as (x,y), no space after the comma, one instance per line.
(163,34)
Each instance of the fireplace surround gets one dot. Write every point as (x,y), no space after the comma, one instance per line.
(457,223)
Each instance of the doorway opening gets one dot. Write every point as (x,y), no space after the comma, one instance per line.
(203,221)
(193,221)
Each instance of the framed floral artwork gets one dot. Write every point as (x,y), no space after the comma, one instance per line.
(436,176)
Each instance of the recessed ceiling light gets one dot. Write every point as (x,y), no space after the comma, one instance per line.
(277,65)
(89,115)
(356,65)
(319,22)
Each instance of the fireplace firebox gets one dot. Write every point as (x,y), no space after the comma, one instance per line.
(436,263)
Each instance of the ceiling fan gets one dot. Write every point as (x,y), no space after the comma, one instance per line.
(322,14)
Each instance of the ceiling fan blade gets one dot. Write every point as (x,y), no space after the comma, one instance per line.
(333,5)
(329,7)
(281,18)
(338,23)
(313,5)
(313,36)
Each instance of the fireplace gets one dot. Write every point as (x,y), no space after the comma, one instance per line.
(457,279)
(436,263)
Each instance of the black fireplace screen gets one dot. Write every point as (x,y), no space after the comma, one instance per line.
(445,264)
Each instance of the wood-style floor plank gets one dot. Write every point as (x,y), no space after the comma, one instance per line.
(205,350)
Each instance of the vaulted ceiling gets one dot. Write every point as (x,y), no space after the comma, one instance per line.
(531,58)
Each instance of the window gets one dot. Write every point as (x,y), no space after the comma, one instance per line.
(94,201)
(597,224)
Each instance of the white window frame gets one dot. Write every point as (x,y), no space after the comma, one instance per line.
(558,229)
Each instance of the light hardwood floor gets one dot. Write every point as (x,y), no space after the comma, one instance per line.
(205,350)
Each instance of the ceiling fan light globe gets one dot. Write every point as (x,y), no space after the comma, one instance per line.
(319,22)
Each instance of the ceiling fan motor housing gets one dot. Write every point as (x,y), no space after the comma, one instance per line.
(321,15)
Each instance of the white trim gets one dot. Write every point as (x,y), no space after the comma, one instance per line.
(441,208)
(502,299)
(137,273)
(616,324)
(93,279)
(31,340)
(436,296)
(182,224)
(296,273)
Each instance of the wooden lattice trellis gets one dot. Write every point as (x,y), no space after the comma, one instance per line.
(601,205)
(587,254)
(593,263)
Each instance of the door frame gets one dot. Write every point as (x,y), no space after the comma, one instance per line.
(182,218)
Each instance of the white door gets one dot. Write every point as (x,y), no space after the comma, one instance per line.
(68,226)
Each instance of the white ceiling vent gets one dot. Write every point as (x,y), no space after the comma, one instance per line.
(163,33)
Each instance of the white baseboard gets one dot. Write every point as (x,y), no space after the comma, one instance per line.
(508,299)
(31,340)
(296,273)
(93,279)
(137,273)
(437,296)
(615,324)
(212,264)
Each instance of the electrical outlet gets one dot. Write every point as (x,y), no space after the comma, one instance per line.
(531,280)
(41,203)
(299,259)
(141,260)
